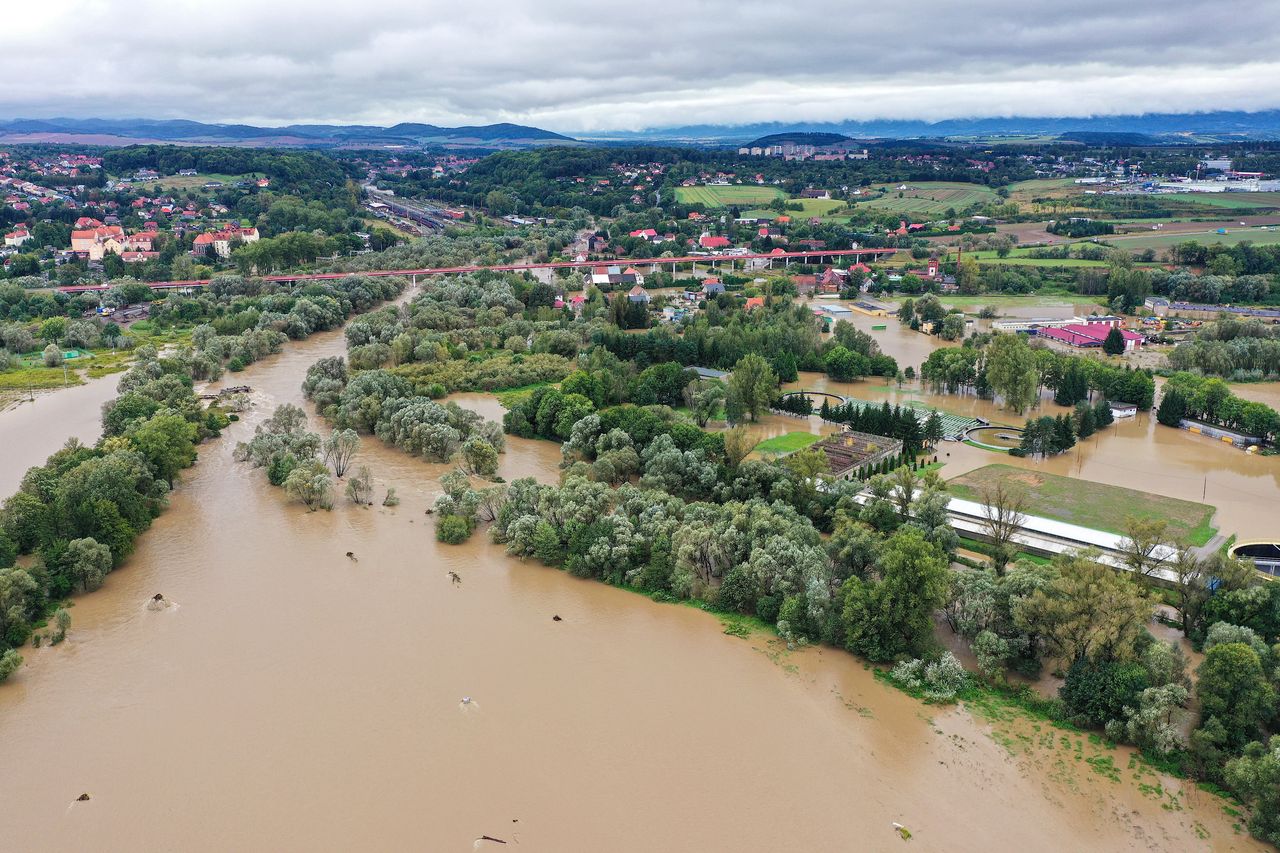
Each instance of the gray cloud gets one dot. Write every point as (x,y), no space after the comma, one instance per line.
(582,66)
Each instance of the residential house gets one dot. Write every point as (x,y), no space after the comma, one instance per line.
(638,294)
(711,241)
(220,241)
(830,281)
(17,237)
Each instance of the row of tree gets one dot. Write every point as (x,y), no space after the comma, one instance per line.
(81,512)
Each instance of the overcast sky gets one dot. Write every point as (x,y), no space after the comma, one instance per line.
(569,66)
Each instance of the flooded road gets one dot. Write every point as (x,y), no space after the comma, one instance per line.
(295,699)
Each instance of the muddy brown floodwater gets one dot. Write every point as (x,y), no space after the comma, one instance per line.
(31,430)
(294,699)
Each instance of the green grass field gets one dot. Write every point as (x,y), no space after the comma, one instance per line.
(183,183)
(1228,200)
(1017,260)
(724,196)
(1094,505)
(789,443)
(931,198)
(819,207)
(1257,236)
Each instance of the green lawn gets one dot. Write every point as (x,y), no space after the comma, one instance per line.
(789,443)
(724,196)
(38,377)
(1094,505)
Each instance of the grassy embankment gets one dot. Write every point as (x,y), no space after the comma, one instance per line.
(1093,505)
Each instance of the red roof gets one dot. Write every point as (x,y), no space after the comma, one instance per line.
(1086,334)
(708,241)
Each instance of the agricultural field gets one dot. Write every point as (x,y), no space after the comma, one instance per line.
(724,196)
(931,198)
(1093,505)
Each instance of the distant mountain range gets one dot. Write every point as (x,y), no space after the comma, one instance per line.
(1162,127)
(1115,130)
(131,131)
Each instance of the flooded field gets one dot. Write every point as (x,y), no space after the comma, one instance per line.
(293,698)
(31,430)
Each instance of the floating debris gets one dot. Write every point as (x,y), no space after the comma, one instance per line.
(455,577)
(351,555)
(83,798)
(902,831)
(556,618)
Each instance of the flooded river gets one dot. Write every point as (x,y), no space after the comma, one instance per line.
(295,699)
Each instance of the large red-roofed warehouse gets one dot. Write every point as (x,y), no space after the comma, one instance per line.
(1090,335)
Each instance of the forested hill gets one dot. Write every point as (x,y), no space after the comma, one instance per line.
(800,138)
(126,131)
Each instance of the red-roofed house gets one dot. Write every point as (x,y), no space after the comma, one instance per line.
(754,302)
(96,242)
(17,237)
(711,241)
(646,233)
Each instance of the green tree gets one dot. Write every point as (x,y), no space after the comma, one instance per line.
(310,483)
(1254,777)
(893,617)
(168,443)
(1088,612)
(480,457)
(844,365)
(9,663)
(360,486)
(1099,692)
(1011,370)
(339,449)
(87,562)
(754,384)
(1234,690)
(1172,408)
(1113,344)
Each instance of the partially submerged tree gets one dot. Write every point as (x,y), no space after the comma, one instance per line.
(360,486)
(309,483)
(339,449)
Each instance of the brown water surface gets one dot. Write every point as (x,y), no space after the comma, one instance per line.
(31,430)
